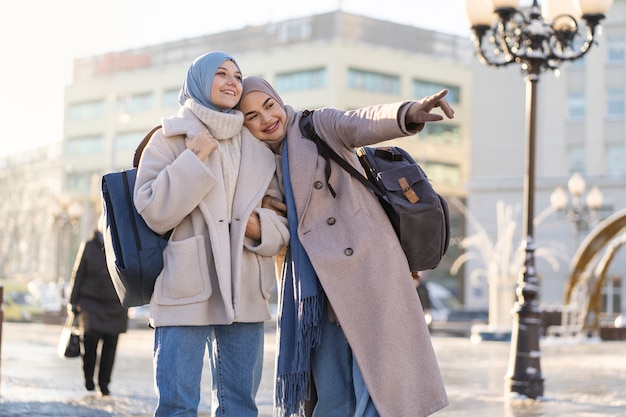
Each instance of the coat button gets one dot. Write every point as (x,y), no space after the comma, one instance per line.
(331,221)
(318,185)
(348,252)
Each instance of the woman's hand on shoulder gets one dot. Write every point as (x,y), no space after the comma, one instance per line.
(201,144)
(420,111)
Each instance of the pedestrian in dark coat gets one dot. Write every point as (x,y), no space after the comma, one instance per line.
(100,313)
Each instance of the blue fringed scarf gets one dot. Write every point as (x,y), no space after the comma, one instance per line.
(302,304)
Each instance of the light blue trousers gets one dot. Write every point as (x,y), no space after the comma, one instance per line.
(341,391)
(236,358)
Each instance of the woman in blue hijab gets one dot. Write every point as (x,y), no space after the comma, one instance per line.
(198,176)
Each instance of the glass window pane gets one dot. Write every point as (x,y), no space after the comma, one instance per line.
(616,49)
(615,103)
(373,81)
(441,133)
(616,160)
(134,103)
(301,80)
(576,156)
(84,145)
(86,110)
(125,141)
(576,104)
(423,88)
(170,98)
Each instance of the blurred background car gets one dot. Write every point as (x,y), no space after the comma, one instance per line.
(459,321)
(447,315)
(18,303)
(139,317)
(440,301)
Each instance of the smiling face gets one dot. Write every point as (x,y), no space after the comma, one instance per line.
(226,85)
(263,116)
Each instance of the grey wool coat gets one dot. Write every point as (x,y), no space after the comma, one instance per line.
(212,273)
(360,263)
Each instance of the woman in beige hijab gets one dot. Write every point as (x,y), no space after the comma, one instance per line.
(350,320)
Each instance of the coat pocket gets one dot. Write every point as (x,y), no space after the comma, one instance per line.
(258,275)
(185,277)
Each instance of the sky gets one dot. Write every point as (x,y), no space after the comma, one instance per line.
(39,40)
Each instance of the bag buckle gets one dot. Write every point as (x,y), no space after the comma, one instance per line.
(407,191)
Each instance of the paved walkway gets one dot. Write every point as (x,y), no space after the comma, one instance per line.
(581,379)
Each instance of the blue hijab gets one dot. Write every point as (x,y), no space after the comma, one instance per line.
(200,75)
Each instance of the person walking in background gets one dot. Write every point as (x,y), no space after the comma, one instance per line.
(101,316)
(198,176)
(350,320)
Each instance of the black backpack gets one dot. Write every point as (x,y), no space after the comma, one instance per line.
(134,252)
(420,216)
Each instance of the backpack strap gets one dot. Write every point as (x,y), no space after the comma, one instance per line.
(136,159)
(308,131)
(388,155)
(142,145)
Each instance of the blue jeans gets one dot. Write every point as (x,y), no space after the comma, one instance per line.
(364,405)
(341,391)
(236,358)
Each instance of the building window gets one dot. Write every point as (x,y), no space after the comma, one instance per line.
(616,50)
(170,98)
(80,182)
(440,173)
(124,144)
(423,88)
(615,103)
(84,145)
(616,160)
(301,80)
(134,103)
(373,81)
(128,140)
(441,133)
(576,105)
(576,157)
(86,110)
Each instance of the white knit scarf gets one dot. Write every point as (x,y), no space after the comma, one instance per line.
(226,128)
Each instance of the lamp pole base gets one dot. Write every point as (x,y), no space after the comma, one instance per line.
(524,374)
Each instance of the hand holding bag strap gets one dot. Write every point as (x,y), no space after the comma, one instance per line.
(308,130)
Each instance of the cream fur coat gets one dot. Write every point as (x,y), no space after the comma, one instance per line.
(212,273)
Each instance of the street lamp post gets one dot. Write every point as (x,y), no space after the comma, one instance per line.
(504,35)
(578,213)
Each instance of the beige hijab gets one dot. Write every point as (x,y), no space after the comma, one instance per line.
(253,83)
